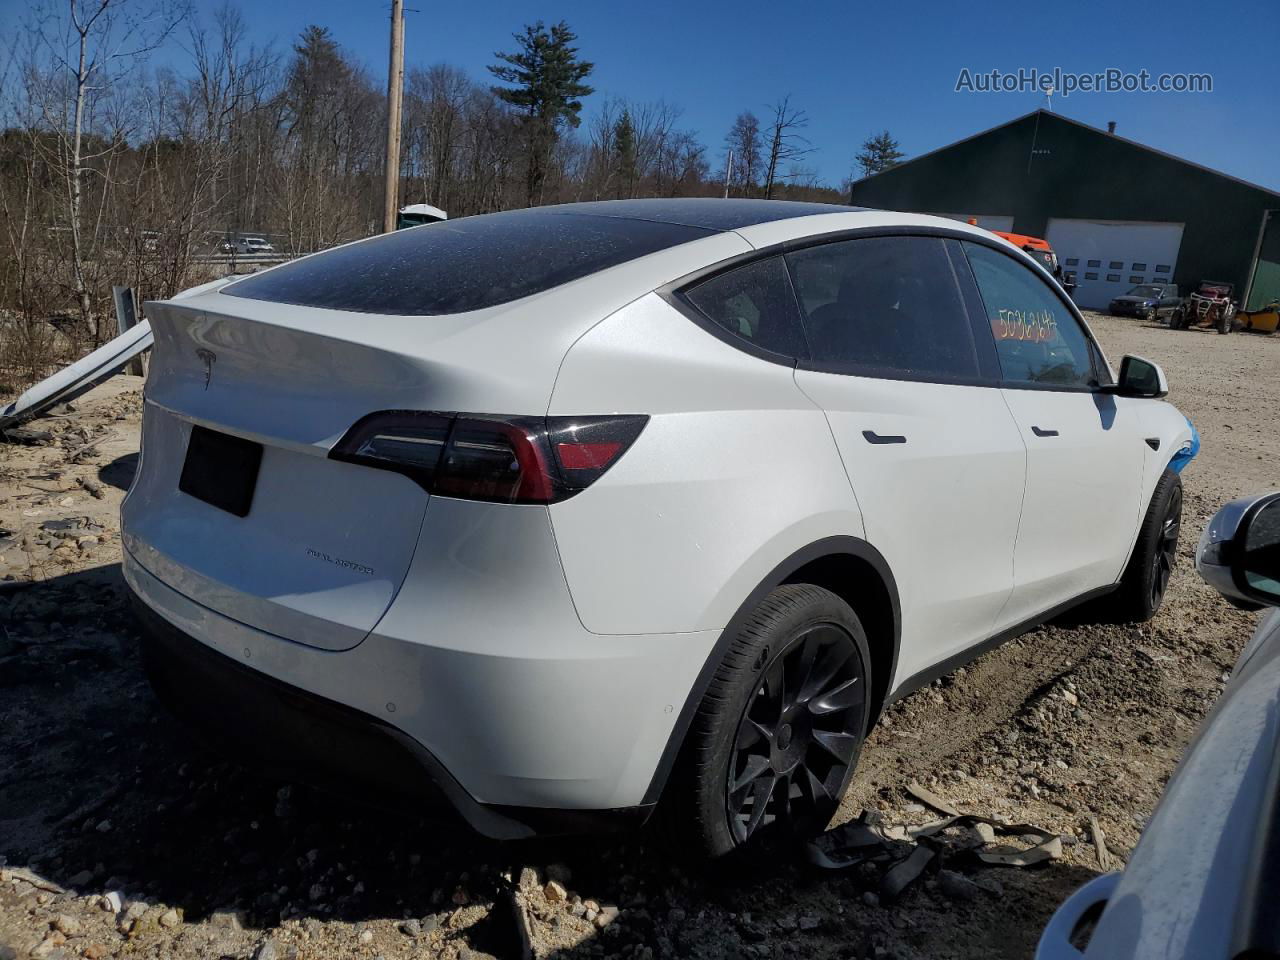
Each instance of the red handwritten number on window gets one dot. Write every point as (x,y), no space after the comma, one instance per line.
(1032,326)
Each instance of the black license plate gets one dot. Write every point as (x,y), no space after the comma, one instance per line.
(221,470)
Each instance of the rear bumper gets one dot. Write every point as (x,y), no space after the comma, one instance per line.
(297,735)
(525,723)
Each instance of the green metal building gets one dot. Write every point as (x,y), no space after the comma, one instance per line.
(1116,212)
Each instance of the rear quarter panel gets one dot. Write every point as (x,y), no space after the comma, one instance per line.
(735,471)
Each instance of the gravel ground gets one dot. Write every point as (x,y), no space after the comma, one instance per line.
(121,838)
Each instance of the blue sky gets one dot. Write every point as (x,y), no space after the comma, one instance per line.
(859,67)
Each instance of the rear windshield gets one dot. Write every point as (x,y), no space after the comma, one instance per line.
(461,265)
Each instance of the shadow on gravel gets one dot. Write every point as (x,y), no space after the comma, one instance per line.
(101,790)
(119,472)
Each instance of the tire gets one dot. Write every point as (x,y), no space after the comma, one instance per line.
(1226,318)
(1152,315)
(1146,578)
(1177,319)
(777,735)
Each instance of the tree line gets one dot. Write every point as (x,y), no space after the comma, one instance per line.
(119,167)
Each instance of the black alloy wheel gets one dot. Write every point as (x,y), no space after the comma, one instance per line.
(1166,552)
(799,736)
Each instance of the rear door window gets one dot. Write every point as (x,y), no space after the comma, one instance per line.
(1038,341)
(885,306)
(754,304)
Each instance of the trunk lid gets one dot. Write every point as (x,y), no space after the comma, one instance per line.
(324,545)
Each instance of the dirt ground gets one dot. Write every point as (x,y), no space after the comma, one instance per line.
(119,837)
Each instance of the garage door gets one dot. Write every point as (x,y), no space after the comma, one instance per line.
(1110,256)
(987,221)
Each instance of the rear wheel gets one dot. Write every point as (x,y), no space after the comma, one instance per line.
(1178,319)
(778,733)
(1146,578)
(1225,316)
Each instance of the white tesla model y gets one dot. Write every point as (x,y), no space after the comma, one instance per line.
(562,512)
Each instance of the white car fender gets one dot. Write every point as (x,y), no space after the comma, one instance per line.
(1169,426)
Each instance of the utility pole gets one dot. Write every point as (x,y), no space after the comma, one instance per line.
(728,174)
(395,96)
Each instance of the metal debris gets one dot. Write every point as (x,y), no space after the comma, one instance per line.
(78,378)
(907,852)
(905,872)
(931,799)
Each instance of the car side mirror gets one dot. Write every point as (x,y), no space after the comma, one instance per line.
(1239,553)
(1140,378)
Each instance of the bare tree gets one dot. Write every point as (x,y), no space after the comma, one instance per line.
(331,111)
(89,47)
(435,120)
(599,170)
(113,169)
(786,144)
(745,143)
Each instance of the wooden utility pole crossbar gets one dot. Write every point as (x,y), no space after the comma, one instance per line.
(395,94)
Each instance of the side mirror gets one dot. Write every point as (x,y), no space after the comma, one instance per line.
(1239,553)
(1140,378)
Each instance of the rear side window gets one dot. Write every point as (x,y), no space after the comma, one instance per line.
(462,265)
(1038,341)
(754,304)
(885,306)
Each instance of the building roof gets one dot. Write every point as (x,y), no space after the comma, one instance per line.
(1042,113)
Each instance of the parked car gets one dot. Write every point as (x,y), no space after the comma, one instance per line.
(253,245)
(416,214)
(1204,880)
(574,508)
(1147,301)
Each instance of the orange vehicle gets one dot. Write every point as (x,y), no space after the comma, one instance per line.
(1041,251)
(1038,248)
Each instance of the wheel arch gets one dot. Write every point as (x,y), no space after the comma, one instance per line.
(846,566)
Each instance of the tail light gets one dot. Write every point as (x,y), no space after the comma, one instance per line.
(499,459)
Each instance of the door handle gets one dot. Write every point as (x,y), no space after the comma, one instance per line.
(872,437)
(1044,433)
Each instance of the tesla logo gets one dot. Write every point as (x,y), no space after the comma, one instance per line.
(209,358)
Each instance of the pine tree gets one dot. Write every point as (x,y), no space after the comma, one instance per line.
(315,80)
(548,90)
(624,153)
(879,153)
